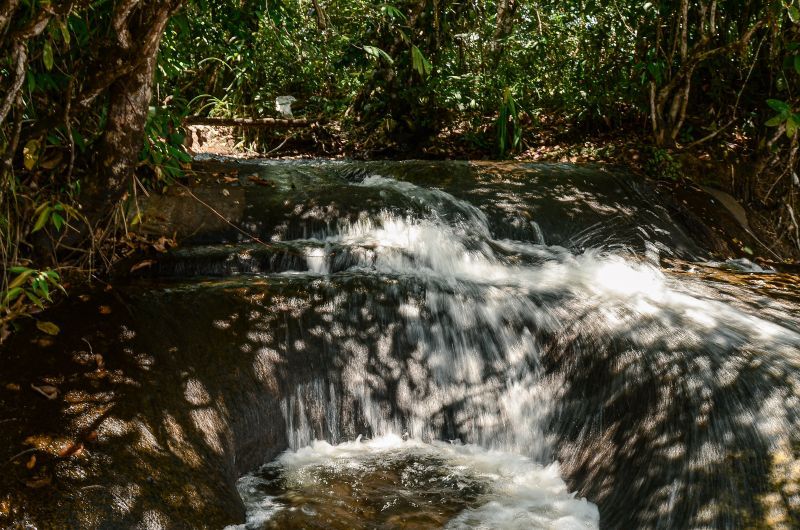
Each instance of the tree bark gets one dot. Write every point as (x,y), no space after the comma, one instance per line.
(130,90)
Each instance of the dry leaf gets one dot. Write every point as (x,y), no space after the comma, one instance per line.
(38,482)
(230,180)
(91,437)
(74,449)
(12,386)
(31,462)
(48,327)
(256,180)
(105,310)
(163,244)
(84,297)
(143,264)
(48,391)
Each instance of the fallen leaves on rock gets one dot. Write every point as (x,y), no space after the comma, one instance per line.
(143,264)
(38,482)
(48,391)
(73,449)
(255,179)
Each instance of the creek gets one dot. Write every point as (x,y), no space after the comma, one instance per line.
(418,345)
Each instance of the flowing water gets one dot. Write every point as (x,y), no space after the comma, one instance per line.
(534,321)
(467,346)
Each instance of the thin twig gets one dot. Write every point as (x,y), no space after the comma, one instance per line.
(22,453)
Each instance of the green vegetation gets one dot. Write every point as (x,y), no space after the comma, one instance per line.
(93,95)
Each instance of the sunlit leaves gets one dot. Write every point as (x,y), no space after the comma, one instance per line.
(784,116)
(420,64)
(29,284)
(378,53)
(47,55)
(30,154)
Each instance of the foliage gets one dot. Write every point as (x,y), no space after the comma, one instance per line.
(509,129)
(77,79)
(662,165)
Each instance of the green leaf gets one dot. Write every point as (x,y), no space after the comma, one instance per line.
(57,220)
(774,121)
(31,80)
(797,63)
(794,13)
(35,299)
(791,127)
(778,105)
(30,154)
(376,52)
(21,279)
(47,55)
(420,63)
(64,32)
(42,220)
(48,327)
(12,294)
(392,11)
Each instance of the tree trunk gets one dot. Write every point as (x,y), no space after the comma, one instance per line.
(130,93)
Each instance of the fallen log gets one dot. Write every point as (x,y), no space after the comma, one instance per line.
(253,122)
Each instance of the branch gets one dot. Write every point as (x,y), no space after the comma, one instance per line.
(20,57)
(119,22)
(7,8)
(251,122)
(126,61)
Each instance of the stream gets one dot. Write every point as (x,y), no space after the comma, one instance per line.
(425,345)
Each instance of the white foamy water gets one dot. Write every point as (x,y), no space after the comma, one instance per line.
(464,352)
(516,493)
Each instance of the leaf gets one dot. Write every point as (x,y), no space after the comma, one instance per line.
(42,220)
(794,13)
(12,295)
(48,327)
(48,391)
(64,32)
(420,63)
(143,264)
(21,278)
(791,127)
(31,463)
(73,449)
(797,63)
(774,121)
(778,105)
(31,154)
(47,55)
(57,220)
(376,52)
